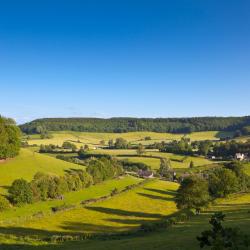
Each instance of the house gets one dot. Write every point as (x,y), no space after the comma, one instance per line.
(240,156)
(145,174)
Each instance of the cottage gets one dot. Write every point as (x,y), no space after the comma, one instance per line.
(145,174)
(240,156)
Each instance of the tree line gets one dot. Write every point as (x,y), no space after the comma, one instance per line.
(120,125)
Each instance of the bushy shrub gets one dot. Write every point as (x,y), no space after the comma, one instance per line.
(20,192)
(4,203)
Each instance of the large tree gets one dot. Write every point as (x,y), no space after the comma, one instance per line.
(222,182)
(9,138)
(193,193)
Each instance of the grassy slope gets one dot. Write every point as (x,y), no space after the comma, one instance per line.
(181,236)
(23,213)
(26,164)
(125,211)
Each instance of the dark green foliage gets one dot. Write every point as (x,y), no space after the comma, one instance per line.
(192,193)
(9,138)
(222,182)
(20,192)
(134,166)
(103,169)
(178,147)
(119,125)
(48,148)
(4,203)
(69,145)
(243,179)
(121,143)
(204,147)
(230,148)
(219,237)
(165,169)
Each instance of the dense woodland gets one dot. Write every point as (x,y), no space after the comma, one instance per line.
(9,138)
(119,125)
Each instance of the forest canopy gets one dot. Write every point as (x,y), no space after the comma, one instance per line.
(120,125)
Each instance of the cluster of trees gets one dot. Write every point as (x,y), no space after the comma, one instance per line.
(226,149)
(166,170)
(119,125)
(230,148)
(134,166)
(69,145)
(9,138)
(44,186)
(196,191)
(104,168)
(51,148)
(177,147)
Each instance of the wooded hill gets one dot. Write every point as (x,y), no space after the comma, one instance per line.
(119,125)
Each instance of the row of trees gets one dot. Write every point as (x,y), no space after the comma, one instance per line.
(197,191)
(226,149)
(9,138)
(54,148)
(44,186)
(119,125)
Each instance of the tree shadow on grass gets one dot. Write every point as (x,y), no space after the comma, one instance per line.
(124,212)
(92,228)
(167,192)
(157,197)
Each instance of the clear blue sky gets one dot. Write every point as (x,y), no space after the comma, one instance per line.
(124,58)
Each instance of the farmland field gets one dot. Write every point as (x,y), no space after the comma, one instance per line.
(93,139)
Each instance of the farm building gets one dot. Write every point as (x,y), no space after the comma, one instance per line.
(145,174)
(240,156)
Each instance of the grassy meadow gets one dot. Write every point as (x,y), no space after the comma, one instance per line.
(123,212)
(21,214)
(27,164)
(93,139)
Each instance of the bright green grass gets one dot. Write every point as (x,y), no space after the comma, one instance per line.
(152,162)
(23,213)
(93,139)
(180,237)
(26,164)
(152,201)
(177,161)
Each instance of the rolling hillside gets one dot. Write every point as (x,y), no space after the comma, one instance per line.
(26,164)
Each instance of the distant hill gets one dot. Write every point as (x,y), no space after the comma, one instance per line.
(170,125)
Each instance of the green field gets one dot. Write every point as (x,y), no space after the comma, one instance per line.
(24,213)
(121,214)
(93,139)
(26,164)
(177,161)
(126,211)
